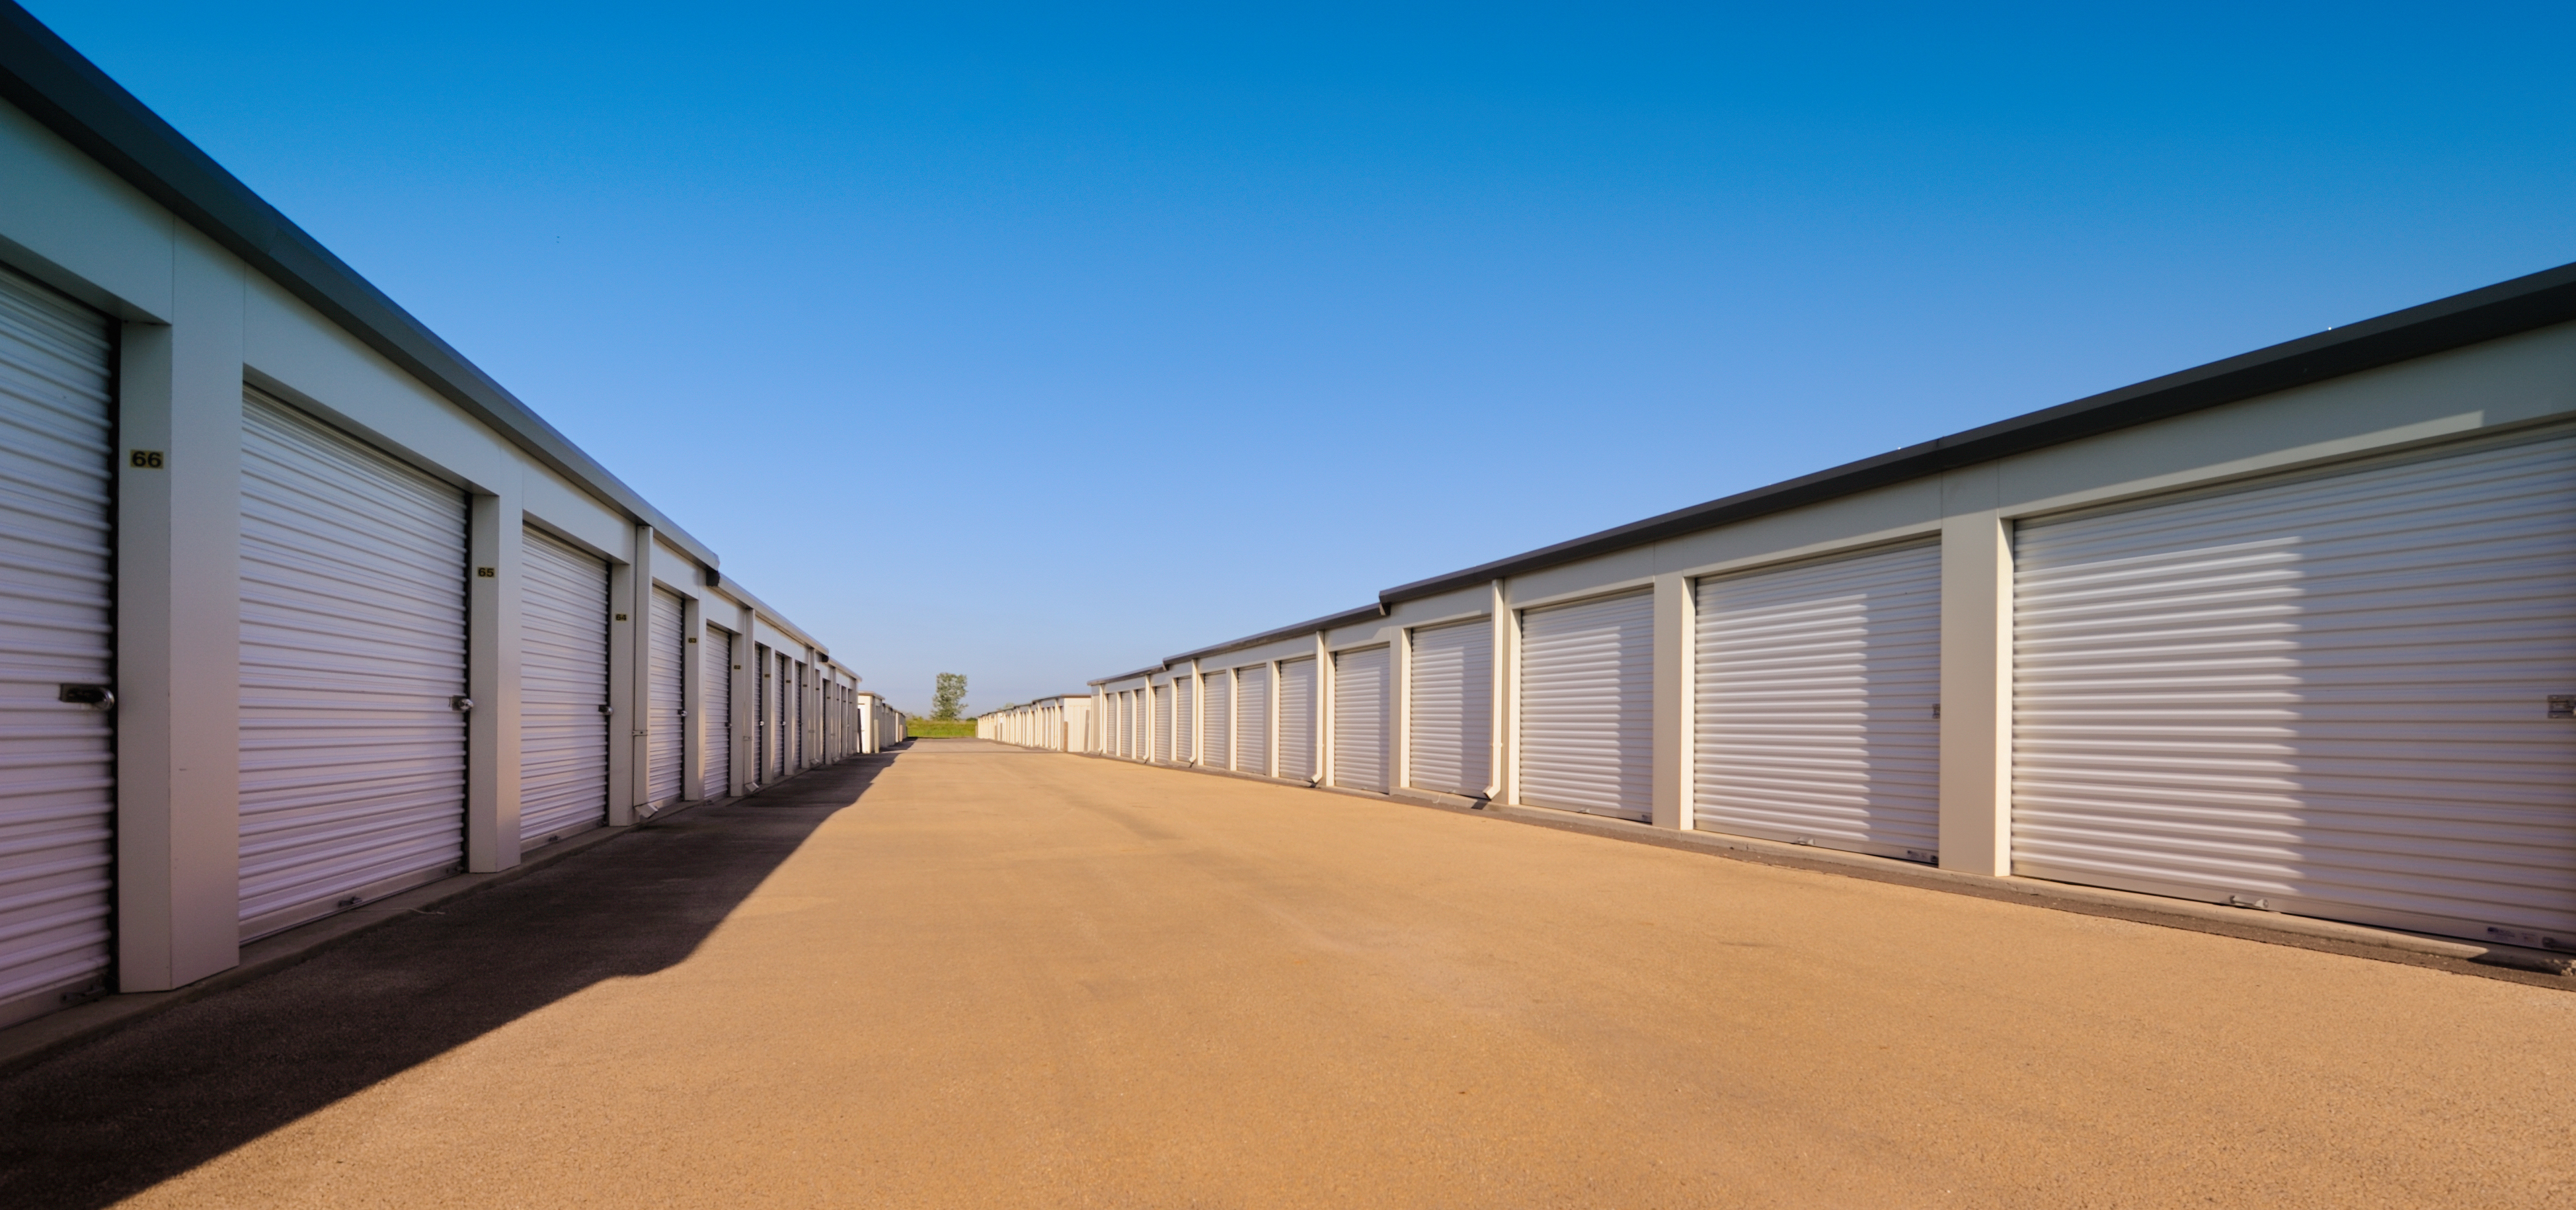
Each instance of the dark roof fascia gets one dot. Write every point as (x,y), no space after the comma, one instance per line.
(56,85)
(1327,622)
(1146,671)
(2500,310)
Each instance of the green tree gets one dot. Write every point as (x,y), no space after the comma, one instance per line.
(949,697)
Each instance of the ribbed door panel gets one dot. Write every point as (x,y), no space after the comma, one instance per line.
(664,721)
(1252,719)
(1216,728)
(352,651)
(1297,719)
(2328,695)
(1813,707)
(715,693)
(1162,722)
(57,590)
(563,681)
(1450,741)
(1363,706)
(1587,726)
(1127,725)
(1184,713)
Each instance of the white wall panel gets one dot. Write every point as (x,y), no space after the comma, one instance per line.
(1587,723)
(1813,704)
(1450,735)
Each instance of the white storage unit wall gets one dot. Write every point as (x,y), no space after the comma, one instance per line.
(2331,694)
(57,598)
(665,718)
(1216,728)
(1252,719)
(1587,722)
(1814,704)
(715,693)
(1363,718)
(564,708)
(1297,720)
(353,619)
(1451,701)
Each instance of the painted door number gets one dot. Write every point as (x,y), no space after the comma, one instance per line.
(147,459)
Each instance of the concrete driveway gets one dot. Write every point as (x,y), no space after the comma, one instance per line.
(999,978)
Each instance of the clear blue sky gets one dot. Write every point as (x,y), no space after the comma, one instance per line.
(1068,339)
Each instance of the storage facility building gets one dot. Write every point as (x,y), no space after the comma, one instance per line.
(302,608)
(2290,631)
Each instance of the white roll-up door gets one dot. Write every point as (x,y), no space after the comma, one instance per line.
(2330,695)
(352,658)
(1587,726)
(1184,715)
(1125,722)
(1163,721)
(1297,719)
(1814,705)
(1450,740)
(1252,719)
(665,718)
(563,684)
(1216,726)
(1363,709)
(715,693)
(57,596)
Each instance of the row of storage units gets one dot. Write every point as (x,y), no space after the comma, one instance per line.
(2289,632)
(297,609)
(1056,724)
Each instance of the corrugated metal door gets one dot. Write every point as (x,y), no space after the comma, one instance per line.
(1451,699)
(1216,728)
(57,591)
(1252,719)
(1363,708)
(801,713)
(1184,713)
(1297,719)
(715,691)
(1127,727)
(665,717)
(2329,695)
(764,715)
(1813,704)
(563,685)
(352,658)
(1587,739)
(1162,721)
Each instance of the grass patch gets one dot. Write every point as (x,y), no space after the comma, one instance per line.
(922,728)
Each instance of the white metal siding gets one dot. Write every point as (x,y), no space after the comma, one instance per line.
(715,694)
(2328,695)
(1216,731)
(1363,703)
(664,719)
(352,651)
(1162,722)
(1184,741)
(57,588)
(1587,726)
(1297,719)
(1450,738)
(563,683)
(1813,707)
(1252,719)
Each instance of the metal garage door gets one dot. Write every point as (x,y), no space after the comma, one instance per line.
(1184,737)
(1587,710)
(1363,709)
(1813,704)
(715,689)
(2329,695)
(57,588)
(352,667)
(1162,721)
(563,689)
(1216,730)
(665,716)
(1252,719)
(1297,719)
(1451,737)
(801,715)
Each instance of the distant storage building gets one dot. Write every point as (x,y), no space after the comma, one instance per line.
(2291,631)
(301,608)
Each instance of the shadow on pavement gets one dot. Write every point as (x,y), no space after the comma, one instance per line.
(115,1117)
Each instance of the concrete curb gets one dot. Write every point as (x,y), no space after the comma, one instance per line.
(2516,964)
(29,1043)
